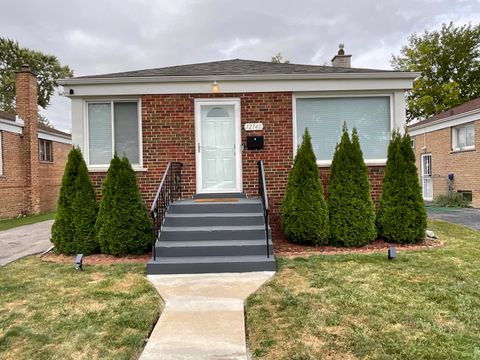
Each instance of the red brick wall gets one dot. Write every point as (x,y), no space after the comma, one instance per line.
(51,174)
(169,135)
(13,181)
(27,109)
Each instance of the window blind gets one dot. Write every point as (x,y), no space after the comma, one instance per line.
(99,133)
(126,130)
(324,118)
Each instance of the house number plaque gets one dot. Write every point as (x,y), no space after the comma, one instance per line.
(253,126)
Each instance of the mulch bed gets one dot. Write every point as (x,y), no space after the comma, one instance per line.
(281,245)
(284,248)
(97,259)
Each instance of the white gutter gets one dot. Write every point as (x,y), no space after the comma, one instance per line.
(45,135)
(470,113)
(171,79)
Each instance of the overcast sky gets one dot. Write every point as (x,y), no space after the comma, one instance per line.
(98,36)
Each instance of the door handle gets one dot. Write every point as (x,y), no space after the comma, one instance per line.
(198,147)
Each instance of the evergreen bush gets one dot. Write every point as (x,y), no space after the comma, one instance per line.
(350,206)
(401,216)
(123,226)
(73,229)
(304,212)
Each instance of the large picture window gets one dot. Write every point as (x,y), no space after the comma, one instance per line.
(324,118)
(113,127)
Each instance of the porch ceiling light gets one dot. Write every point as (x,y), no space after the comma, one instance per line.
(214,87)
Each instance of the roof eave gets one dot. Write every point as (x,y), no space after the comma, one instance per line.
(171,79)
(422,125)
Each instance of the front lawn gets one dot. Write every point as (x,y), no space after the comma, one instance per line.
(423,305)
(27,220)
(52,311)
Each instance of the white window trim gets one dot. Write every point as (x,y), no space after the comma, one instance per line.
(1,153)
(454,134)
(104,167)
(325,163)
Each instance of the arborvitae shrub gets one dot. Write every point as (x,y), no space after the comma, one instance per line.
(123,225)
(73,229)
(304,211)
(401,216)
(351,210)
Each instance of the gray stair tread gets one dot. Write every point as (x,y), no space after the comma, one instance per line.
(209,243)
(212,259)
(240,201)
(223,215)
(213,228)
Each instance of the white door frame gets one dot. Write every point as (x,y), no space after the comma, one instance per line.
(426,177)
(238,143)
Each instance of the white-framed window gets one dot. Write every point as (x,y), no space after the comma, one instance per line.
(324,118)
(463,137)
(1,153)
(45,150)
(113,126)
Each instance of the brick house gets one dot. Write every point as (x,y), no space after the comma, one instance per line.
(32,155)
(220,118)
(445,144)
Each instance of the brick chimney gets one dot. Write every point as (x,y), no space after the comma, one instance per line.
(342,60)
(27,110)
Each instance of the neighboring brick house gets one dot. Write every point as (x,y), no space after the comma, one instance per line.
(447,144)
(203,114)
(32,155)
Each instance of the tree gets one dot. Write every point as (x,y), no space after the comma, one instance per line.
(278,59)
(73,229)
(304,211)
(401,216)
(47,68)
(350,206)
(449,63)
(123,226)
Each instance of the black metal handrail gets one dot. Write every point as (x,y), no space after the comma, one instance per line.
(170,189)
(262,193)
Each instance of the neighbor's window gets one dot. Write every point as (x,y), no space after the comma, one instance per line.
(45,150)
(113,127)
(463,137)
(324,118)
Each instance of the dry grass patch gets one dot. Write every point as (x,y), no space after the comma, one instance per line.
(423,305)
(51,311)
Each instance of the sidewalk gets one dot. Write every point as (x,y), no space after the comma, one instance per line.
(24,240)
(203,316)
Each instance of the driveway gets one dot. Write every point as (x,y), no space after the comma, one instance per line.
(466,217)
(24,240)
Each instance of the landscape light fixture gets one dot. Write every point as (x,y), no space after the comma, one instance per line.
(79,262)
(392,253)
(214,87)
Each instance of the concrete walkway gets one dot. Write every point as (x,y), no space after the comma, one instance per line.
(24,240)
(203,316)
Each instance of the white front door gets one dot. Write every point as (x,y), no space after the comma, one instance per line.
(427,183)
(218,151)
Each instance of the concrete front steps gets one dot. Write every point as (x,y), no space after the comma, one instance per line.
(225,235)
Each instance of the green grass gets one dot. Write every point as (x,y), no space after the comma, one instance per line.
(51,311)
(423,305)
(27,220)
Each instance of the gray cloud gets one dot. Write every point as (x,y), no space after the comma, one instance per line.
(105,36)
